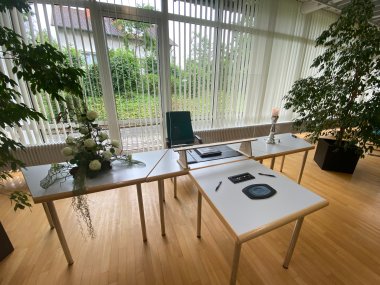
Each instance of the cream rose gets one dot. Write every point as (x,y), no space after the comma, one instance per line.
(95,165)
(107,155)
(103,136)
(89,143)
(70,140)
(91,115)
(115,143)
(83,130)
(67,151)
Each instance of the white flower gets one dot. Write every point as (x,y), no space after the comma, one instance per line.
(91,115)
(67,151)
(95,165)
(115,143)
(107,155)
(89,143)
(70,140)
(83,130)
(103,136)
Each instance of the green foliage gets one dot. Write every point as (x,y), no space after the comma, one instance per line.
(343,99)
(20,199)
(45,69)
(42,66)
(125,70)
(21,5)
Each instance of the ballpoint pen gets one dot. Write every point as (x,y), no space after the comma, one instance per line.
(264,174)
(217,187)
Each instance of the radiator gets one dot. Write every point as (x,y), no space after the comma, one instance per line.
(41,154)
(229,134)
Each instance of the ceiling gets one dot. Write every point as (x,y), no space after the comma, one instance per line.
(336,6)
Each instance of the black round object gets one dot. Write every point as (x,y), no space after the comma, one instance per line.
(259,191)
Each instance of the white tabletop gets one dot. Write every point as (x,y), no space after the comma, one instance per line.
(246,217)
(168,166)
(120,175)
(288,144)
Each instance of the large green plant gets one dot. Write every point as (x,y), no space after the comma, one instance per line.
(44,69)
(343,99)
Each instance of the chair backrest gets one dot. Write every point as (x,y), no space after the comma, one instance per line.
(179,128)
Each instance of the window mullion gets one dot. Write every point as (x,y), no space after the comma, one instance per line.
(105,72)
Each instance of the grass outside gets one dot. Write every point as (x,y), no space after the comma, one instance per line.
(139,106)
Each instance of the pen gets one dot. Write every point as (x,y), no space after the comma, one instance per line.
(217,187)
(264,174)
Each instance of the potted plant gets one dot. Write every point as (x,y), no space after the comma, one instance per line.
(45,69)
(342,100)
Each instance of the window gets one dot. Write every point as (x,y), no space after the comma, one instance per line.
(228,62)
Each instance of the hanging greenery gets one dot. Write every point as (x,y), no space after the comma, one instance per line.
(88,155)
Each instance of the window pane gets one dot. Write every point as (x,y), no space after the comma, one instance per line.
(132,49)
(144,4)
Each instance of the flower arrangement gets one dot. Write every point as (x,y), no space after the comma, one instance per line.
(87,156)
(92,152)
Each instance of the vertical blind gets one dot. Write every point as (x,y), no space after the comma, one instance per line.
(66,28)
(237,59)
(229,62)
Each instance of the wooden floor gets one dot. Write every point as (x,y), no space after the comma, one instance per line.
(339,244)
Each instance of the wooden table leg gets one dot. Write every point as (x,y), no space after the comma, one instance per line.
(175,186)
(282,163)
(58,228)
(292,245)
(163,190)
(272,162)
(302,166)
(48,215)
(161,203)
(141,210)
(199,217)
(235,262)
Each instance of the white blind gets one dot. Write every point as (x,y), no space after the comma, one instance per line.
(230,62)
(66,28)
(237,59)
(132,47)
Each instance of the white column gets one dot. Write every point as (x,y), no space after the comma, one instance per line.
(104,71)
(164,66)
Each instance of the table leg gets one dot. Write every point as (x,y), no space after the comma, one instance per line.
(48,215)
(282,163)
(175,186)
(161,203)
(302,166)
(235,263)
(292,245)
(272,162)
(199,217)
(163,191)
(141,210)
(261,161)
(58,228)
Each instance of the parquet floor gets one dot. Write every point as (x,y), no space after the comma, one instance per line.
(339,244)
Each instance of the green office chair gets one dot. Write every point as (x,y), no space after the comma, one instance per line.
(179,129)
(180,133)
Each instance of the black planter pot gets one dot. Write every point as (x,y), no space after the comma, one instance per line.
(329,157)
(6,246)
